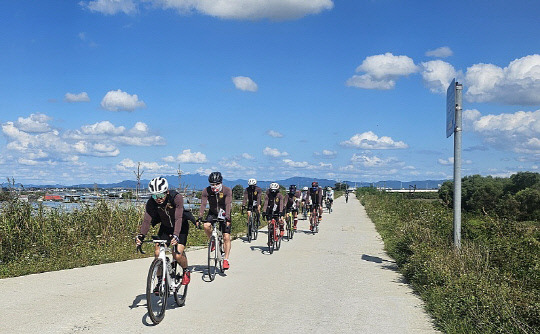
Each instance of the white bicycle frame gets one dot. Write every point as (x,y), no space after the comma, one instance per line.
(167,267)
(218,237)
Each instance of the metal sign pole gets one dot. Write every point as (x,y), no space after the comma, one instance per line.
(457,168)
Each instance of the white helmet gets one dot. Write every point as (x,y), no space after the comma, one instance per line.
(252,182)
(158,185)
(305,189)
(274,186)
(329,188)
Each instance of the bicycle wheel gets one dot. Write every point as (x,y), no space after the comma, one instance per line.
(312,223)
(219,248)
(289,228)
(278,237)
(212,258)
(250,227)
(181,290)
(156,303)
(270,238)
(255,230)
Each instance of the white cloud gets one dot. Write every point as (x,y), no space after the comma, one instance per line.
(306,165)
(382,71)
(117,100)
(516,84)
(139,135)
(245,84)
(370,161)
(437,75)
(518,132)
(446,162)
(274,134)
(35,123)
(110,7)
(247,9)
(188,157)
(274,152)
(231,164)
(128,165)
(326,154)
(441,52)
(369,140)
(81,97)
(247,156)
(204,171)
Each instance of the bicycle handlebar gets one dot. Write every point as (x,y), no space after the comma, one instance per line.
(155,241)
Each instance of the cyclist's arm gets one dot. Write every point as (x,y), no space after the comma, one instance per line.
(178,212)
(265,203)
(204,200)
(281,203)
(228,202)
(188,217)
(259,196)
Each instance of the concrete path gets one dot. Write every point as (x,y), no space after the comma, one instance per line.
(337,281)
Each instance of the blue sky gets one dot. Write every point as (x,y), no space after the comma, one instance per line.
(347,90)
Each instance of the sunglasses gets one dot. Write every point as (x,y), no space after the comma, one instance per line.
(160,196)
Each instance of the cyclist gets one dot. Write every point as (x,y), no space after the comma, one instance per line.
(330,196)
(252,195)
(219,199)
(273,206)
(292,200)
(315,194)
(346,195)
(167,207)
(304,198)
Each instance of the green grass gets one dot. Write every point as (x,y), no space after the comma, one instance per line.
(491,286)
(39,240)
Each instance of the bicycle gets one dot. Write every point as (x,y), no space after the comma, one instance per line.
(215,249)
(252,223)
(289,219)
(314,220)
(329,206)
(274,237)
(305,210)
(160,283)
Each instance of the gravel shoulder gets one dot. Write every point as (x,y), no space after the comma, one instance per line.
(339,280)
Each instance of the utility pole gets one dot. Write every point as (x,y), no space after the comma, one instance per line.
(138,175)
(179,171)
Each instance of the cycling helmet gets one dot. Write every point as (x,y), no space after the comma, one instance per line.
(292,188)
(215,177)
(252,182)
(329,188)
(274,187)
(158,185)
(314,184)
(305,189)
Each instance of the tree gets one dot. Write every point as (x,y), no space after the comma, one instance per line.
(238,192)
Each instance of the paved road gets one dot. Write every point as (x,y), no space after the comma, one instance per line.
(337,281)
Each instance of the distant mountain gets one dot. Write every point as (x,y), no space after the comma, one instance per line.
(199,181)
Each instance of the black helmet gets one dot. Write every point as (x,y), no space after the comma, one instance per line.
(215,177)
(292,188)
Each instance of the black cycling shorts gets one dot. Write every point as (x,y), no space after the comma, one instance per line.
(166,233)
(222,225)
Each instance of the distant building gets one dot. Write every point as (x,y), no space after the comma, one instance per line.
(53,198)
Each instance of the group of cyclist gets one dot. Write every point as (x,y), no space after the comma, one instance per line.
(166,207)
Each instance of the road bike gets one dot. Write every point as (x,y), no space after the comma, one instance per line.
(289,219)
(160,283)
(215,249)
(346,197)
(314,220)
(329,205)
(274,236)
(252,223)
(305,210)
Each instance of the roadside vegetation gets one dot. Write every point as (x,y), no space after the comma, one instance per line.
(34,240)
(492,285)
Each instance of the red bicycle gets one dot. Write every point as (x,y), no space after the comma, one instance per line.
(274,236)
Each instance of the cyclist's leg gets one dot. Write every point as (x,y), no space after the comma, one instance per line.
(226,239)
(295,216)
(208,225)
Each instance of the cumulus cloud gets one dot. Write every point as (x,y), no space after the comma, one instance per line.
(35,123)
(382,71)
(227,9)
(117,100)
(274,134)
(247,156)
(516,84)
(274,152)
(518,132)
(326,154)
(110,7)
(188,157)
(139,135)
(437,75)
(370,141)
(245,84)
(305,165)
(446,162)
(370,161)
(441,52)
(81,97)
(128,165)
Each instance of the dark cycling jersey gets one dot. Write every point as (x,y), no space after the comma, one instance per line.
(216,202)
(274,203)
(169,213)
(316,196)
(251,195)
(291,201)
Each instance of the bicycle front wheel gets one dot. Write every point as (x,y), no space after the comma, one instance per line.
(212,258)
(289,228)
(156,292)
(181,291)
(270,238)
(255,230)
